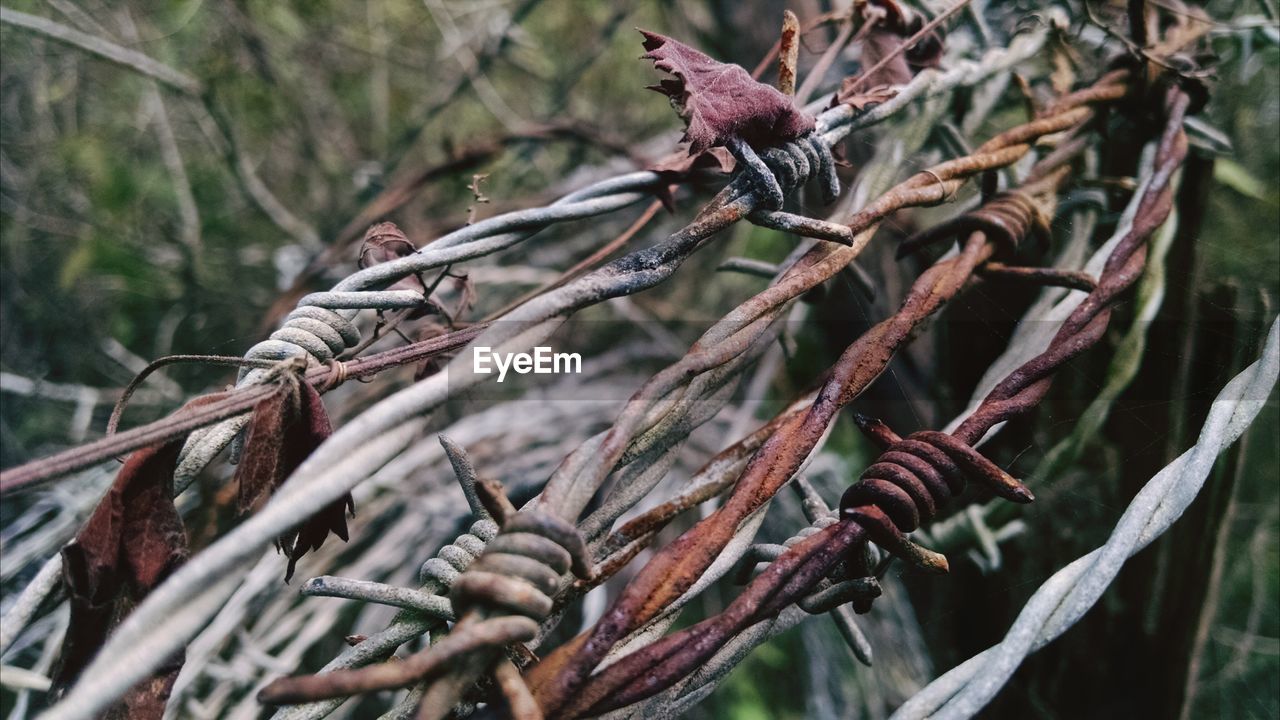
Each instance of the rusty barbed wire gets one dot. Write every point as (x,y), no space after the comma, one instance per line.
(920,189)
(645,268)
(828,232)
(230,403)
(673,571)
(656,666)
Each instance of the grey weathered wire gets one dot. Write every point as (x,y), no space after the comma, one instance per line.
(1066,596)
(353,589)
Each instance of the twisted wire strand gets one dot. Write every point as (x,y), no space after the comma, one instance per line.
(660,664)
(907,482)
(494,234)
(795,170)
(101,684)
(910,481)
(667,574)
(1066,596)
(521,568)
(322,326)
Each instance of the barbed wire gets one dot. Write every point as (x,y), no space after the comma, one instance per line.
(672,571)
(661,664)
(1044,317)
(1067,595)
(99,684)
(641,439)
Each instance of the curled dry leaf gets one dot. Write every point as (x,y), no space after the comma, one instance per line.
(384,242)
(682,162)
(890,25)
(719,101)
(133,540)
(850,94)
(284,430)
(679,164)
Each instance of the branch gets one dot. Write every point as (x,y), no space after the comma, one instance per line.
(106,50)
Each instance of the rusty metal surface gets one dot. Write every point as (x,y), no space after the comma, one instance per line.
(908,480)
(897,494)
(558,680)
(511,588)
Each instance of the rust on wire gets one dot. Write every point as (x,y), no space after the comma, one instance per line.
(915,471)
(517,589)
(228,404)
(559,679)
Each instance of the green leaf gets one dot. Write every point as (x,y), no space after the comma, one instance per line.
(1235,176)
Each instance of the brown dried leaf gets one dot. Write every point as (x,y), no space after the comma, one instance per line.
(681,163)
(308,537)
(133,540)
(850,95)
(891,26)
(678,165)
(284,430)
(719,101)
(384,242)
(879,44)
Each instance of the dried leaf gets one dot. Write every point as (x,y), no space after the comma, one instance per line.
(284,430)
(891,26)
(879,44)
(308,537)
(384,242)
(719,101)
(680,162)
(131,543)
(850,95)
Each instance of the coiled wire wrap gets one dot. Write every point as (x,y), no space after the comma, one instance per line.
(833,592)
(1008,218)
(909,482)
(453,559)
(521,568)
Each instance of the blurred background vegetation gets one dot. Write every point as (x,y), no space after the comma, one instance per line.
(137,221)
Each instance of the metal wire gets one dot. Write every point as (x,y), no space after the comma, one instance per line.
(1066,596)
(910,476)
(559,676)
(394,421)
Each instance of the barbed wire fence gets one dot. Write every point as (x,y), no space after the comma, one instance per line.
(645,437)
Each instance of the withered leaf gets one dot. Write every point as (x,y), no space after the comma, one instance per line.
(679,164)
(384,242)
(133,540)
(850,94)
(719,101)
(284,430)
(682,162)
(892,25)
